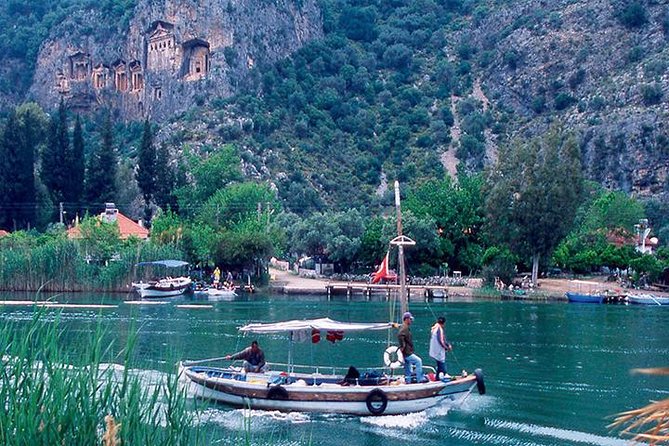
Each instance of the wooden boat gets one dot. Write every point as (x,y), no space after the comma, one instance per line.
(167,287)
(647,299)
(164,287)
(292,387)
(583,291)
(584,298)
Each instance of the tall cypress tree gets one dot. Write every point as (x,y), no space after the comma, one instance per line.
(146,166)
(11,204)
(165,179)
(75,162)
(101,172)
(54,171)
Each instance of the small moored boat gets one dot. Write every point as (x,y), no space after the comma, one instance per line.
(293,387)
(647,299)
(585,298)
(164,287)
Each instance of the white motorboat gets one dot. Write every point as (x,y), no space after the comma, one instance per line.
(167,287)
(289,387)
(164,287)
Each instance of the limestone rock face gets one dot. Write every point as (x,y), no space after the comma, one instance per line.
(175,54)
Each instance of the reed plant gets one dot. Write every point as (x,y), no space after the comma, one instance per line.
(57,264)
(53,395)
(648,424)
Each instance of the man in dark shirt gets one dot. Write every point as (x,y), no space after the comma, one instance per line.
(405,340)
(253,356)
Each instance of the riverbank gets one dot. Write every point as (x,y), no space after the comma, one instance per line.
(286,282)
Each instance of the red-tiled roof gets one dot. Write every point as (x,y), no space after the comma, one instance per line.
(3,233)
(129,228)
(126,228)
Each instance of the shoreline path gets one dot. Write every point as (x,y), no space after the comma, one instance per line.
(287,282)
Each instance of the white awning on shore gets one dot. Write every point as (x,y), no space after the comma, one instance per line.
(314,324)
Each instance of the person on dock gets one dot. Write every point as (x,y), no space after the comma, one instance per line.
(439,347)
(217,277)
(254,358)
(405,340)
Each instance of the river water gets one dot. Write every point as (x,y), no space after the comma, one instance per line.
(555,372)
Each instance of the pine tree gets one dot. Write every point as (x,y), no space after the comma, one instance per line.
(146,166)
(75,163)
(100,185)
(54,157)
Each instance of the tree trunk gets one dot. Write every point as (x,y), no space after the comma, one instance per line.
(535,269)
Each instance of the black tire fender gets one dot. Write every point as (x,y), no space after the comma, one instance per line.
(480,384)
(277,393)
(374,398)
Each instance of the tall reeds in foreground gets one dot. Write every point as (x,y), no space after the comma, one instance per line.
(650,423)
(51,396)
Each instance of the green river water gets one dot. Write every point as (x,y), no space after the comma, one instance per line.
(555,372)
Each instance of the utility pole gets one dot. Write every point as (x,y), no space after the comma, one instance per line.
(61,212)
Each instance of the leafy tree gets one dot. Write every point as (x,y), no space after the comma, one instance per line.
(237,203)
(633,15)
(100,184)
(100,240)
(534,190)
(209,175)
(244,244)
(613,210)
(146,168)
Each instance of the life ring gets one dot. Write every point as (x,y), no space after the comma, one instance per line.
(376,402)
(480,384)
(393,352)
(277,393)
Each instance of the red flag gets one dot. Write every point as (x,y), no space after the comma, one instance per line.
(382,272)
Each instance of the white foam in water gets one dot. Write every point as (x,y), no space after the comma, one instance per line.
(561,434)
(408,421)
(260,419)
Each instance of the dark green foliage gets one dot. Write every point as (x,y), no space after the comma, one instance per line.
(76,162)
(632,14)
(533,193)
(165,180)
(100,187)
(146,165)
(358,23)
(563,101)
(651,94)
(54,171)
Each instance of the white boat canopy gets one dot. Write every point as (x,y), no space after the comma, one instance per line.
(314,324)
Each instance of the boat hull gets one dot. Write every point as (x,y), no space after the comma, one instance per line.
(163,288)
(648,300)
(326,397)
(585,298)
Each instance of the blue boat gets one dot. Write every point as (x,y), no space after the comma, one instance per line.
(585,298)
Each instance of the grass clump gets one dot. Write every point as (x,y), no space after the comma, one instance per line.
(53,396)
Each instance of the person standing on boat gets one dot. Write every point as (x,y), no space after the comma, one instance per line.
(439,346)
(253,356)
(405,340)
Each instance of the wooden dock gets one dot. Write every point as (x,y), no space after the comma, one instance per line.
(367,289)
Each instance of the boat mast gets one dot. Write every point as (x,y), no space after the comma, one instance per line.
(401,241)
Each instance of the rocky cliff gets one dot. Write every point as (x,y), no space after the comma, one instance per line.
(600,66)
(175,54)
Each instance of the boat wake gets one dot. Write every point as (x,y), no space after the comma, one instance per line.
(556,433)
(260,419)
